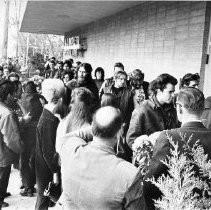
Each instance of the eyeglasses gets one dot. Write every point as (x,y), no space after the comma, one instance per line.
(178,104)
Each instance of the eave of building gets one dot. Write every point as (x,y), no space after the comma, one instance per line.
(58,17)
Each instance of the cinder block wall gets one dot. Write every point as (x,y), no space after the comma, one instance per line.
(157,37)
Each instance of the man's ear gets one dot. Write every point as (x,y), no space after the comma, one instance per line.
(180,109)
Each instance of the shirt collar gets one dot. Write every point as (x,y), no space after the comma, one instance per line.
(103,147)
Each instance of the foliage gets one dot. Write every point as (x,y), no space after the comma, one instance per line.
(143,150)
(179,187)
(36,62)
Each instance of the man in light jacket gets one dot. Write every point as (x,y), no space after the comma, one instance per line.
(10,143)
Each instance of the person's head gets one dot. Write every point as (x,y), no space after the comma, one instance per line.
(67,65)
(78,63)
(118,67)
(109,99)
(71,60)
(6,90)
(81,108)
(6,71)
(17,89)
(66,77)
(84,72)
(106,124)
(163,87)
(30,87)
(60,65)
(190,80)
(137,78)
(52,64)
(99,73)
(120,79)
(53,90)
(13,76)
(190,104)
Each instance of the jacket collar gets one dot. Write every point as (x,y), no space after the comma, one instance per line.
(102,147)
(154,102)
(193,124)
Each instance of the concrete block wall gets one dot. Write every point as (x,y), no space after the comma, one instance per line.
(157,37)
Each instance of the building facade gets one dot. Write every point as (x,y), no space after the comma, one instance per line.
(156,37)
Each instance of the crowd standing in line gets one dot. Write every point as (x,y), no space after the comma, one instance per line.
(78,132)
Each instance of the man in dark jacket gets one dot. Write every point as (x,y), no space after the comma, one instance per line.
(10,142)
(109,81)
(190,105)
(157,113)
(84,79)
(124,98)
(47,159)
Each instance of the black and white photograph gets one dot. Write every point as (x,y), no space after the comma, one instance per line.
(105,105)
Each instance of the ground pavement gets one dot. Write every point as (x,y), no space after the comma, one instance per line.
(16,201)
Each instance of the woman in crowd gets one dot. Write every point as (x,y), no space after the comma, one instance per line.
(99,75)
(82,108)
(46,160)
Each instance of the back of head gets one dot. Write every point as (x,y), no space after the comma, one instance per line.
(109,99)
(6,88)
(185,81)
(30,87)
(53,90)
(81,108)
(137,74)
(160,83)
(119,65)
(106,122)
(82,94)
(192,100)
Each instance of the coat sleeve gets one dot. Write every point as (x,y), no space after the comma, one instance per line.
(156,169)
(11,134)
(160,151)
(50,155)
(134,197)
(136,127)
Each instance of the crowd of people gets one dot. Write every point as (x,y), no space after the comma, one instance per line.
(78,132)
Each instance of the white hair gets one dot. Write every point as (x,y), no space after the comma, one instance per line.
(53,89)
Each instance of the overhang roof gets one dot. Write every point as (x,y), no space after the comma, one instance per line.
(58,17)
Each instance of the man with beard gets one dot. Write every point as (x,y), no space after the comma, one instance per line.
(84,79)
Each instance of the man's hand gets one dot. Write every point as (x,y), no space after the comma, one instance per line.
(27,118)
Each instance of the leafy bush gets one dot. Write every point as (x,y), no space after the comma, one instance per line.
(179,186)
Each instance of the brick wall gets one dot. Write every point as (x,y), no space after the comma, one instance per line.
(156,37)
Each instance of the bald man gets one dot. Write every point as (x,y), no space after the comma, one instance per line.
(92,176)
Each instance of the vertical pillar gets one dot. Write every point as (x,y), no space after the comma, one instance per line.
(5,30)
